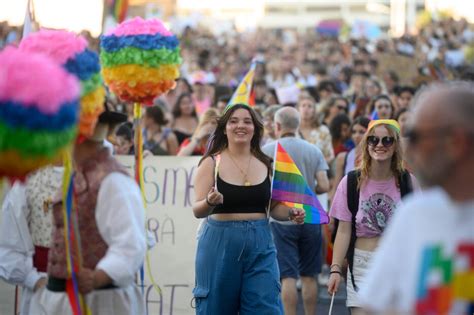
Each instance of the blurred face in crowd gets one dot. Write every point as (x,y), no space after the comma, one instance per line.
(122,145)
(324,95)
(306,109)
(199,89)
(186,106)
(221,106)
(380,143)
(371,89)
(383,108)
(181,88)
(403,119)
(340,107)
(427,138)
(260,90)
(268,126)
(345,132)
(358,83)
(404,100)
(358,132)
(270,99)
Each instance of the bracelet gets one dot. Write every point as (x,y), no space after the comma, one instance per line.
(210,204)
(340,268)
(336,271)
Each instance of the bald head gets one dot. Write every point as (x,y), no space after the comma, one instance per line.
(446,104)
(288,118)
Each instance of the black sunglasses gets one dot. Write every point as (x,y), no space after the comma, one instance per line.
(386,141)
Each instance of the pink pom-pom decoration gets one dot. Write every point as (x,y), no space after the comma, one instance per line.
(70,50)
(39,104)
(140,60)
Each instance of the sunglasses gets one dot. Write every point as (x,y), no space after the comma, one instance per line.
(387,142)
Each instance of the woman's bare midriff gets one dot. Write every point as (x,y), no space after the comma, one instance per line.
(238,216)
(368,244)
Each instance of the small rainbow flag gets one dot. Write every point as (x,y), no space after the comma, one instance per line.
(243,93)
(290,187)
(119,10)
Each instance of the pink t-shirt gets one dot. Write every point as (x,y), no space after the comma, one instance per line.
(377,203)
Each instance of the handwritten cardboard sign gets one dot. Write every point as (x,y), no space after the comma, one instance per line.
(169,193)
(405,67)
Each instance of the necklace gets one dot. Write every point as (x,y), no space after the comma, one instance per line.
(246,181)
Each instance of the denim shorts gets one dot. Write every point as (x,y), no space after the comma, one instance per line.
(237,269)
(299,249)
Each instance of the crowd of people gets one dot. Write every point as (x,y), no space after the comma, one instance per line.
(348,123)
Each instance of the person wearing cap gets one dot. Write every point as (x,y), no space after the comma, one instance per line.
(378,185)
(112,238)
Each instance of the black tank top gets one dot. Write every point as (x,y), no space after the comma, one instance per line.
(243,199)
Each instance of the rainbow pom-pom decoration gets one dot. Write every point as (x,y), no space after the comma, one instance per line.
(140,60)
(70,50)
(39,108)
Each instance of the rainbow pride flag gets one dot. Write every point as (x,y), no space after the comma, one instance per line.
(243,93)
(290,187)
(119,10)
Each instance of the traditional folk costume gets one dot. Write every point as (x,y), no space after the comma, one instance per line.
(111,232)
(25,233)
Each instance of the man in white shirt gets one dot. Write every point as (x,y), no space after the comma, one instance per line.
(425,263)
(112,238)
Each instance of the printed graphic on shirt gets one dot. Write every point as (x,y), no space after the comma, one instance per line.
(377,210)
(446,283)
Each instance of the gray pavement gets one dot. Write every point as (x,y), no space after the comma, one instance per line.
(7,298)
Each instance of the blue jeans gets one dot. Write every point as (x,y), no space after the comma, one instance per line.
(236,269)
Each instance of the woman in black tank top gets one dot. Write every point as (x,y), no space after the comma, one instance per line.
(233,191)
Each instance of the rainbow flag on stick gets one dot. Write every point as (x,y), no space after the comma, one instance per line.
(243,93)
(290,187)
(119,10)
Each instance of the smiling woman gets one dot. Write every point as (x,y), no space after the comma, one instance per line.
(73,15)
(379,183)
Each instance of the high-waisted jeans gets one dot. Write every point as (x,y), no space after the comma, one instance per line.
(236,269)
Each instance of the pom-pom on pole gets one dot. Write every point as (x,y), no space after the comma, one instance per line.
(39,104)
(140,60)
(70,50)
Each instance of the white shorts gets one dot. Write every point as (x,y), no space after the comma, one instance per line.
(361,262)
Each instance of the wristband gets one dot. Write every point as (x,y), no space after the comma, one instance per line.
(336,271)
(340,268)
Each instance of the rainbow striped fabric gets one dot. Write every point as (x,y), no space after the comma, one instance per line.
(290,187)
(243,94)
(119,10)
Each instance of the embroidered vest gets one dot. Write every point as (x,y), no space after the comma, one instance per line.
(87,181)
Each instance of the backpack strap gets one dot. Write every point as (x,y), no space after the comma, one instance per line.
(406,186)
(353,205)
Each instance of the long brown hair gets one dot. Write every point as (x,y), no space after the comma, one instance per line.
(218,140)
(396,165)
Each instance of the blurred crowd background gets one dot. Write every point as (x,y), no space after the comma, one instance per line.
(331,80)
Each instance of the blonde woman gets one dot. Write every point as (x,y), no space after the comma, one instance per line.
(196,145)
(310,128)
(364,202)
